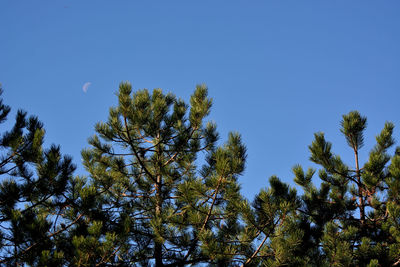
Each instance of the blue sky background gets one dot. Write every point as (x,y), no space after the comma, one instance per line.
(278,71)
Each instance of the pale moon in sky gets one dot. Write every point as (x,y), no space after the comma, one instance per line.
(85,87)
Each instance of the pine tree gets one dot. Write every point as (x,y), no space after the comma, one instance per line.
(166,193)
(162,192)
(33,183)
(352,218)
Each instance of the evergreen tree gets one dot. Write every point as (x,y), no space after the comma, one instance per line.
(32,194)
(352,218)
(166,193)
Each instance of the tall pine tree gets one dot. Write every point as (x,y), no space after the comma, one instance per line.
(352,219)
(162,192)
(168,194)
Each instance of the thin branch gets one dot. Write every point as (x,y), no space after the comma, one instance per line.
(134,150)
(255,252)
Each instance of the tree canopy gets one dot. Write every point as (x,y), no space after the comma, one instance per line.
(162,190)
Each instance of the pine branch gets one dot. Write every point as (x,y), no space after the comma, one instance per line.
(135,152)
(255,252)
(205,221)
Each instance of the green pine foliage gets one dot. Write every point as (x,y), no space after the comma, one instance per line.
(351,219)
(271,236)
(168,193)
(162,190)
(33,184)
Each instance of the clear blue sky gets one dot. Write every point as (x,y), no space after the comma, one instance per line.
(278,71)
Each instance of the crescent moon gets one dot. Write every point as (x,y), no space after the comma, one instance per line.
(85,87)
